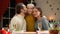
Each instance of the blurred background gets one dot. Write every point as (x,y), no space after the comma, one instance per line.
(50,9)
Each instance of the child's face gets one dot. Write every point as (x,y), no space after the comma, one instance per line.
(30,10)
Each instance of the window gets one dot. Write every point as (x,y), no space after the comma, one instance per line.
(10,12)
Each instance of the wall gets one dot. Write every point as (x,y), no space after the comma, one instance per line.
(50,8)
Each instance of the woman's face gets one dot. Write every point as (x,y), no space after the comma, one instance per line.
(36,12)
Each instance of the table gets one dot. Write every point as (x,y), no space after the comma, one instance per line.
(39,32)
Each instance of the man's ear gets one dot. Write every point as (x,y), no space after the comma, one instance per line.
(21,9)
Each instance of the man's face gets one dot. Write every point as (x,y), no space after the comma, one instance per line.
(25,9)
(29,9)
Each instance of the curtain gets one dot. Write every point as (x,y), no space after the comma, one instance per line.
(3,6)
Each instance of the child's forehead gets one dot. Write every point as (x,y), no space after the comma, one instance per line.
(30,5)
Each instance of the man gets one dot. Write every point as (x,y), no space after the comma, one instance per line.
(30,19)
(18,22)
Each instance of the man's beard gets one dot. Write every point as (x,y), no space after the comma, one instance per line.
(25,13)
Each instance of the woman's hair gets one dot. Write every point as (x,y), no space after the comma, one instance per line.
(40,10)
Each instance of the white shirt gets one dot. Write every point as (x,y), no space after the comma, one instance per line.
(18,23)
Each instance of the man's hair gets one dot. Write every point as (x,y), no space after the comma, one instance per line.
(18,8)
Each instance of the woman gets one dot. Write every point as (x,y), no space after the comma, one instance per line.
(41,22)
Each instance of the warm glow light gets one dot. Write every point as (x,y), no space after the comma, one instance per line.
(51,17)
